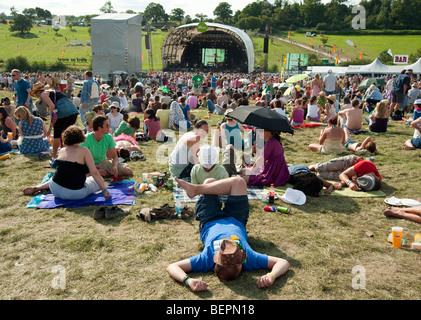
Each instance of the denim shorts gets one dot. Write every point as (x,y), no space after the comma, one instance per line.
(209,208)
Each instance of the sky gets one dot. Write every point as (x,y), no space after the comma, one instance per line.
(82,7)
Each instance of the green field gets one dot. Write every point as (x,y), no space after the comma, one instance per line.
(43,44)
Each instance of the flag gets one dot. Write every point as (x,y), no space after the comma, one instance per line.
(310,41)
(20,52)
(361,55)
(143,57)
(390,52)
(289,34)
(336,61)
(7,21)
(62,54)
(285,60)
(334,48)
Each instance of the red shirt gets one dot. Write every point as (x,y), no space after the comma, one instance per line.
(363,167)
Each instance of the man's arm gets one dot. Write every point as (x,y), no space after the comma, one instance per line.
(114,157)
(178,271)
(278,267)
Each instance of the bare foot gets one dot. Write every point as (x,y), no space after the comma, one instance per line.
(392,212)
(312,167)
(188,187)
(30,191)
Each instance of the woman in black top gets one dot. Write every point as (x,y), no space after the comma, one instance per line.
(73,164)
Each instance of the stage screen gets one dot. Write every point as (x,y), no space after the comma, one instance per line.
(209,55)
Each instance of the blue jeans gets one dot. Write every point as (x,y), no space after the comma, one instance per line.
(211,106)
(208,208)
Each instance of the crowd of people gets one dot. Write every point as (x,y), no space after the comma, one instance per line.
(97,123)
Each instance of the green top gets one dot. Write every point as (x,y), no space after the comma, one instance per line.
(123,128)
(99,148)
(199,175)
(197,80)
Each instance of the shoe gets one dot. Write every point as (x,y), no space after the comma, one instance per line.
(397,116)
(145,215)
(187,212)
(114,212)
(163,212)
(99,213)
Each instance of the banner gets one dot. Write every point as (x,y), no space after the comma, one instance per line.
(349,42)
(295,60)
(400,59)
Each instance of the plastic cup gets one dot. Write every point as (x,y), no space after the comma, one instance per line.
(144,177)
(397,233)
(9,134)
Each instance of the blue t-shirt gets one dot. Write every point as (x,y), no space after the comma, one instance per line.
(222,229)
(400,81)
(21,88)
(185,109)
(213,82)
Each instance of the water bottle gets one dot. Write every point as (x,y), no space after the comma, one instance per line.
(272,194)
(178,206)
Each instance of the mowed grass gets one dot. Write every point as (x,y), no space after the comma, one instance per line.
(44,44)
(126,258)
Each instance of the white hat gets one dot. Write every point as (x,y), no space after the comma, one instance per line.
(293,196)
(418,101)
(115,104)
(208,155)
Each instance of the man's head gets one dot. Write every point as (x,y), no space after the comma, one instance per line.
(229,259)
(16,74)
(100,123)
(89,74)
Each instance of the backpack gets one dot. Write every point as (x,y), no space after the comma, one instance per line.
(94,91)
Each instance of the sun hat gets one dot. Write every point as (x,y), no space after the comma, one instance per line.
(366,182)
(208,155)
(293,196)
(230,254)
(37,87)
(228,111)
(332,98)
(115,104)
(89,116)
(418,101)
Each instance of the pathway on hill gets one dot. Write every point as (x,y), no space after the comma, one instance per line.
(313,49)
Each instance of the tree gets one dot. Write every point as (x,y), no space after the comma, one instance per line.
(43,14)
(223,12)
(178,14)
(21,23)
(313,12)
(107,8)
(155,12)
(250,23)
(385,58)
(29,12)
(201,16)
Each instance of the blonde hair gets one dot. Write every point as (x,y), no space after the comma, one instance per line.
(381,110)
(24,113)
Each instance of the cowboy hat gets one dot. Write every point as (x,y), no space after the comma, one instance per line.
(332,98)
(37,87)
(230,254)
(293,196)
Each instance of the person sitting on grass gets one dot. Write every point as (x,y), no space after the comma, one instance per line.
(208,168)
(101,143)
(354,146)
(331,139)
(414,143)
(73,164)
(351,118)
(223,232)
(128,127)
(412,213)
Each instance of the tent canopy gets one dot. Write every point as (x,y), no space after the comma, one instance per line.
(116,43)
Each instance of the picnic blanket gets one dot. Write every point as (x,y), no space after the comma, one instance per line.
(253,193)
(344,192)
(121,193)
(308,125)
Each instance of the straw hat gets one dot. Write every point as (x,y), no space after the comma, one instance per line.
(332,98)
(37,87)
(89,116)
(322,94)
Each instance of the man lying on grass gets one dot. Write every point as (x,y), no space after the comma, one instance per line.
(223,232)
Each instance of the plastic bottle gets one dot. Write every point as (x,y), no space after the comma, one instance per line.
(178,206)
(272,194)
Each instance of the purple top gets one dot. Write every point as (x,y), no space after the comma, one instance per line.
(298,116)
(378,125)
(275,169)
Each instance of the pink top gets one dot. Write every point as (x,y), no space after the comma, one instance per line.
(153,127)
(192,102)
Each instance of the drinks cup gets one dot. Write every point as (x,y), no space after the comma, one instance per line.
(397,233)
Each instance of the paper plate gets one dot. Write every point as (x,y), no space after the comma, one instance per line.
(392,201)
(410,202)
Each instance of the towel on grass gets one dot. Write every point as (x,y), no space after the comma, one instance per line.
(253,193)
(344,192)
(121,193)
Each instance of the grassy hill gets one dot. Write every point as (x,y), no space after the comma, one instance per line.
(44,44)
